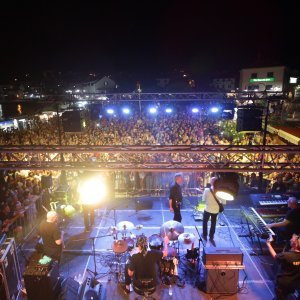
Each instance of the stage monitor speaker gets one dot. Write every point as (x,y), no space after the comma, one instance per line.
(42,282)
(73,121)
(221,281)
(90,290)
(46,181)
(249,119)
(10,278)
(69,289)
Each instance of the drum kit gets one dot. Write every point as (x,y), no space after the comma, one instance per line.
(125,245)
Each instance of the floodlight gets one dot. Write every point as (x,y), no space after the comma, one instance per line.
(226,186)
(214,109)
(195,110)
(152,110)
(126,110)
(110,111)
(168,110)
(93,190)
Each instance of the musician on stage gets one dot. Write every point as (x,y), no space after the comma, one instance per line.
(144,263)
(175,198)
(210,212)
(288,274)
(291,222)
(52,236)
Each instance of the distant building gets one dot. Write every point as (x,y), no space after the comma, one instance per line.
(264,79)
(223,84)
(103,86)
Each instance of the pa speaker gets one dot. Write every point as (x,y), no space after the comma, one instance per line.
(95,110)
(73,121)
(46,181)
(249,119)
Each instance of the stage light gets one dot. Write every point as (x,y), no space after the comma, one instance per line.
(168,110)
(126,111)
(152,110)
(214,110)
(195,110)
(226,186)
(93,190)
(110,111)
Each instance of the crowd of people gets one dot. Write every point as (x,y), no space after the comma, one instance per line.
(180,128)
(21,200)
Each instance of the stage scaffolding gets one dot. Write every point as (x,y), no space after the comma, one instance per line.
(210,158)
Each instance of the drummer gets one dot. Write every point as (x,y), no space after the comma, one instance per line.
(144,263)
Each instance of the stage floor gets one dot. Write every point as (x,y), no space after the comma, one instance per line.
(255,282)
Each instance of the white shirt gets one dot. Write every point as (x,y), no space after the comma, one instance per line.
(210,201)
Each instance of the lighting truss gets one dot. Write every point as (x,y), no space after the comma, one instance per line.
(210,158)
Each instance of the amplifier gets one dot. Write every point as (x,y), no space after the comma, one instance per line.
(222,256)
(42,281)
(219,281)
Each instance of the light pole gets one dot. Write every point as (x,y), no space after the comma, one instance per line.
(264,135)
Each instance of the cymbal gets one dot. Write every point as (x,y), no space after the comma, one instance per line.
(172,229)
(125,226)
(187,238)
(119,246)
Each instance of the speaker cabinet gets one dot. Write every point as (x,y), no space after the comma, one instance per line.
(95,110)
(249,119)
(46,181)
(221,269)
(221,281)
(41,281)
(10,279)
(73,121)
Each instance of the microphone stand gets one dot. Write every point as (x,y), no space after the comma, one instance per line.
(94,273)
(198,271)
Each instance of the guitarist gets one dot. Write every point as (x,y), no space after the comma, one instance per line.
(175,198)
(52,236)
(210,212)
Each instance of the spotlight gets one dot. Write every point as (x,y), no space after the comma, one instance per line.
(226,186)
(126,111)
(168,110)
(214,109)
(93,190)
(195,110)
(153,110)
(110,111)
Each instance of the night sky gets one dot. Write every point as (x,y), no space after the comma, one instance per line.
(128,36)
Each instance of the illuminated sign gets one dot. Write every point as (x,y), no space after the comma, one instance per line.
(268,79)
